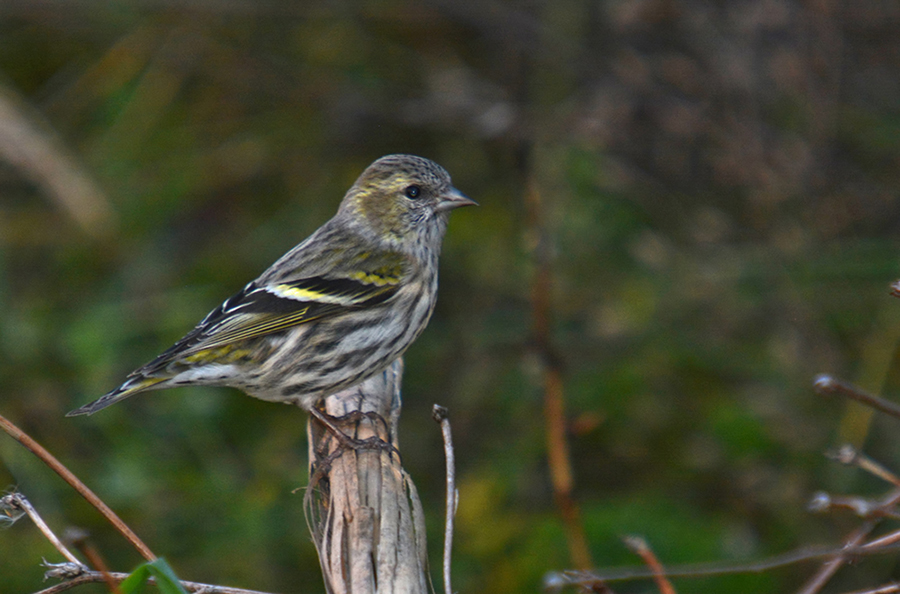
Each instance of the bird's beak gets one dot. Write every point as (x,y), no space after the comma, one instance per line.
(454,199)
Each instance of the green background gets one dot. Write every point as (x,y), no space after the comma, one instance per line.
(721,196)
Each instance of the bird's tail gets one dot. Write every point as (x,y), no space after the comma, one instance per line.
(129,388)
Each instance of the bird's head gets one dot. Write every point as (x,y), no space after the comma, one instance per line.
(403,199)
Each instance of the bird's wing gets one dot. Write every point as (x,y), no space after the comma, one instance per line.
(261,310)
(258,310)
(319,278)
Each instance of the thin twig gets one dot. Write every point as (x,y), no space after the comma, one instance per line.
(19,502)
(895,288)
(829,386)
(74,482)
(640,547)
(79,540)
(886,589)
(94,577)
(823,502)
(883,541)
(559,459)
(441,415)
(557,580)
(850,456)
(829,568)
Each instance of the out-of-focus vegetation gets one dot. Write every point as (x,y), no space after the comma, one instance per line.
(722,180)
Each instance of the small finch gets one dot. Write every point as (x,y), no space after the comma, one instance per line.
(333,311)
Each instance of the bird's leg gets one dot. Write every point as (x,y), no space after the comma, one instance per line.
(351,443)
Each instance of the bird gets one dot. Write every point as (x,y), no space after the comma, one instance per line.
(333,311)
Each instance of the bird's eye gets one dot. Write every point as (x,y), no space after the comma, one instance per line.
(413,192)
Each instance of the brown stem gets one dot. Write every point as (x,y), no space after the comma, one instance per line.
(829,386)
(848,455)
(556,581)
(74,482)
(558,456)
(79,540)
(856,538)
(642,549)
(94,577)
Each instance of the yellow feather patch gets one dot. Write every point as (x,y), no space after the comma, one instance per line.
(379,277)
(144,384)
(289,292)
(228,353)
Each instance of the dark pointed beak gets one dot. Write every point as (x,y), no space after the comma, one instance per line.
(454,199)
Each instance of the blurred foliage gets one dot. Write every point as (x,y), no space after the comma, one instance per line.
(165,579)
(723,184)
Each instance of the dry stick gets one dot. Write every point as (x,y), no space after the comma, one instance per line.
(865,508)
(829,386)
(82,489)
(829,568)
(79,540)
(847,454)
(556,581)
(559,458)
(440,414)
(94,577)
(888,589)
(895,288)
(18,501)
(641,548)
(883,541)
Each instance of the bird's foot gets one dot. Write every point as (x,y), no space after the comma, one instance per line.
(352,443)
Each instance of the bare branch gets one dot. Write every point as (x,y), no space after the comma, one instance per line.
(17,501)
(56,466)
(886,589)
(829,386)
(883,541)
(895,288)
(849,455)
(79,539)
(94,577)
(441,415)
(556,581)
(823,502)
(640,547)
(559,459)
(856,538)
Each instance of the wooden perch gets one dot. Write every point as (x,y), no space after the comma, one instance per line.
(363,510)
